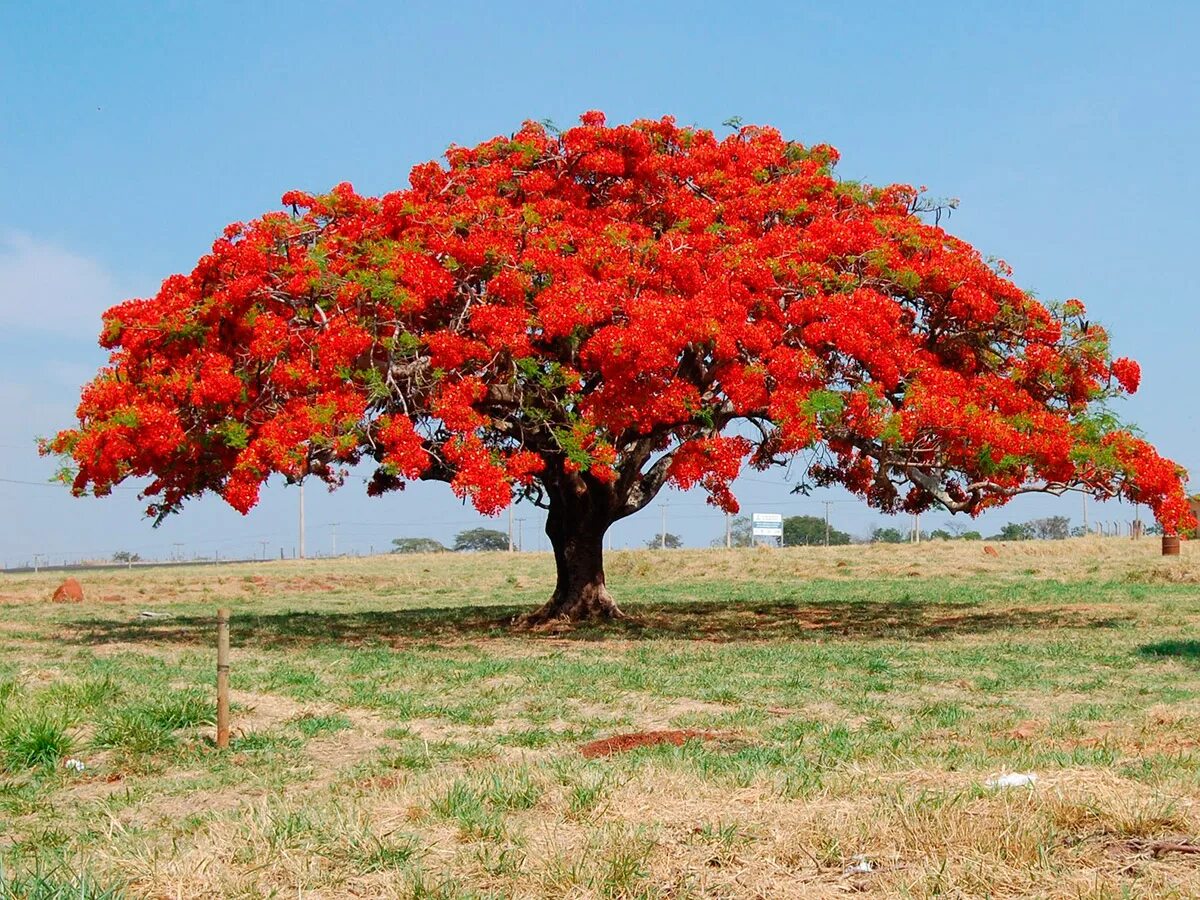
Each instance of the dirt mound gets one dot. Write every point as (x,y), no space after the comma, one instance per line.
(623,743)
(70,591)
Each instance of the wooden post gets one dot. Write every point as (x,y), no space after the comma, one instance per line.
(222,678)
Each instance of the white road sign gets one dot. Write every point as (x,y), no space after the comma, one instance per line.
(767,518)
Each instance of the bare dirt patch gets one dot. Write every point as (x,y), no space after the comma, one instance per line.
(260,711)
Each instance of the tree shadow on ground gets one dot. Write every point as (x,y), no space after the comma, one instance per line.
(1188,651)
(696,620)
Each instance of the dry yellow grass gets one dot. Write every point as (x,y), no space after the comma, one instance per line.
(1091,558)
(393,739)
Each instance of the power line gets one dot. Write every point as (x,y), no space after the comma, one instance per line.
(56,484)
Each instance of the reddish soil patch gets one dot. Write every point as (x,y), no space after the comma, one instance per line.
(308,584)
(623,743)
(1025,731)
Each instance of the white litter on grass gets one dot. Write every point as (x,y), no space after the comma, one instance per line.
(75,765)
(1011,780)
(859,865)
(147,614)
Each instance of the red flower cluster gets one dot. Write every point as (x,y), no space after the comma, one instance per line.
(1128,374)
(586,303)
(712,462)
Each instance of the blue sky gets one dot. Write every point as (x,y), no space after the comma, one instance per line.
(131,133)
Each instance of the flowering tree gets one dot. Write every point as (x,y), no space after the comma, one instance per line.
(580,318)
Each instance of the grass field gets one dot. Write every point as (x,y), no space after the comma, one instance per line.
(394,739)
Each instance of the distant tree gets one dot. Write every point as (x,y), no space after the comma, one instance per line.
(1013,531)
(741,533)
(1080,531)
(671,542)
(423,545)
(887,536)
(481,539)
(971,536)
(124,556)
(957,529)
(810,530)
(941,534)
(1051,528)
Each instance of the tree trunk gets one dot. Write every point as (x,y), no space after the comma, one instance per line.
(575,524)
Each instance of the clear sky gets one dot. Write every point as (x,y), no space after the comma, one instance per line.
(131,133)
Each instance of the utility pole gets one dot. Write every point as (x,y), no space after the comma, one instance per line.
(510,521)
(1086,529)
(264,546)
(302,520)
(728,531)
(662,538)
(828,503)
(334,526)
(520,533)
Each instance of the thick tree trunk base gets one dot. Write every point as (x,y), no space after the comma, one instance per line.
(579,513)
(593,604)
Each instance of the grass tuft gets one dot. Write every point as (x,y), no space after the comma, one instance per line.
(313,726)
(56,882)
(150,726)
(34,740)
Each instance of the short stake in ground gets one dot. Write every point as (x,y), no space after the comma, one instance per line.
(222,678)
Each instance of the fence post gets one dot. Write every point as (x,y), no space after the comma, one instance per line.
(222,678)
